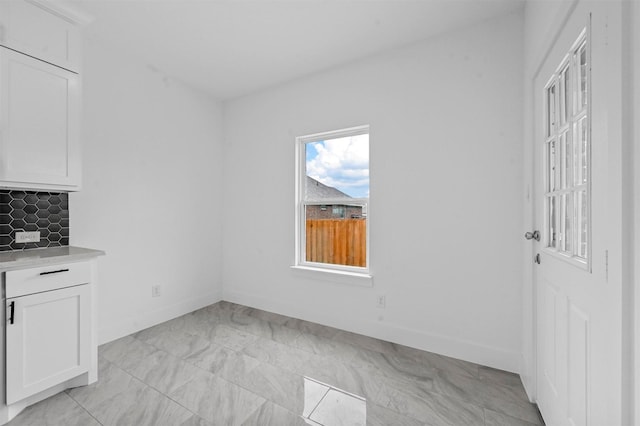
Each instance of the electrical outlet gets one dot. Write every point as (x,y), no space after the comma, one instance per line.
(155,291)
(382,301)
(28,237)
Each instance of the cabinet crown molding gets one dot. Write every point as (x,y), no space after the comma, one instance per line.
(64,10)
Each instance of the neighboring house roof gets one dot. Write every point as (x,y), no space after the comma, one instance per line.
(316,190)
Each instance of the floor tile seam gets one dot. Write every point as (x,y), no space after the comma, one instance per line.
(225,346)
(169,397)
(398,377)
(205,370)
(282,407)
(83,407)
(149,386)
(243,387)
(113,364)
(318,404)
(272,364)
(249,331)
(408,414)
(482,383)
(342,360)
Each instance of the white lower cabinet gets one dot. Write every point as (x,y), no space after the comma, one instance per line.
(48,340)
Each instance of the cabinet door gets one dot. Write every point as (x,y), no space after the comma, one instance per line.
(29,28)
(48,341)
(39,123)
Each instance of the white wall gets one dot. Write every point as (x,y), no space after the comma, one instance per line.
(151,192)
(446,187)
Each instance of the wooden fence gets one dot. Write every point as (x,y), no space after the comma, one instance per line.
(337,241)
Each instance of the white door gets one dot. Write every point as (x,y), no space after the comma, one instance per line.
(578,329)
(47,340)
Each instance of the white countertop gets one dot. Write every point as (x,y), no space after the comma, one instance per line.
(10,260)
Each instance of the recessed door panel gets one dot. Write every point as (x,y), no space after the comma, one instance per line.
(578,380)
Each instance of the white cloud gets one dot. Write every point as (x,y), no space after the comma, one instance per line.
(342,163)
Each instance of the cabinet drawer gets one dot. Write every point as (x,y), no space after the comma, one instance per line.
(45,278)
(33,30)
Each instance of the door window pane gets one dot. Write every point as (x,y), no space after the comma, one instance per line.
(582,75)
(583,224)
(565,160)
(551,166)
(567,219)
(551,110)
(582,173)
(566,83)
(552,219)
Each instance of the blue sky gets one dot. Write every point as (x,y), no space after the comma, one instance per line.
(342,163)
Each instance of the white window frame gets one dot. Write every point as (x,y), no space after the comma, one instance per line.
(570,128)
(301,203)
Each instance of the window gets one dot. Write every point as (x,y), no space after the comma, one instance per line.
(567,156)
(332,206)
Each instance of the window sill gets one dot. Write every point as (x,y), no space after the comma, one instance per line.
(336,276)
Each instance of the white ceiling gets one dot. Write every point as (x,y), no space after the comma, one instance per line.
(231,48)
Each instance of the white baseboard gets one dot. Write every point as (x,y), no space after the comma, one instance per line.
(444,345)
(147,319)
(527,380)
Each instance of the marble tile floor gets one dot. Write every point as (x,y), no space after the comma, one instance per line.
(228,364)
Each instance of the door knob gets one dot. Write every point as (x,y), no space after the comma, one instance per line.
(535,235)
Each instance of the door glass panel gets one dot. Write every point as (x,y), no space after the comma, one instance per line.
(567,94)
(552,220)
(581,152)
(567,219)
(551,110)
(582,75)
(551,166)
(583,224)
(565,160)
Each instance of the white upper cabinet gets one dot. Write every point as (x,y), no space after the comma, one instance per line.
(36,29)
(40,90)
(39,124)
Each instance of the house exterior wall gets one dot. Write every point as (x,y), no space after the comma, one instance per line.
(327,212)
